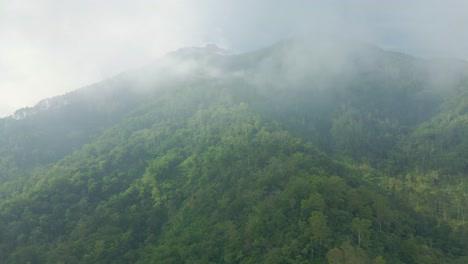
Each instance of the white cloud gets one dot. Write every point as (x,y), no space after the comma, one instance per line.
(51,47)
(48,47)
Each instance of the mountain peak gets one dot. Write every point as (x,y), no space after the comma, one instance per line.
(208,50)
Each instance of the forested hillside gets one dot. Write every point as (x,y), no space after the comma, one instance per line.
(309,151)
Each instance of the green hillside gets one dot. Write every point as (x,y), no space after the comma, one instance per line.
(308,151)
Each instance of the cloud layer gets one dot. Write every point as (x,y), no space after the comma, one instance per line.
(49,47)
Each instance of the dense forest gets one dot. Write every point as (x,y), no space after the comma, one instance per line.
(309,151)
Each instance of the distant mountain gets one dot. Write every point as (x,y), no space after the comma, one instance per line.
(313,150)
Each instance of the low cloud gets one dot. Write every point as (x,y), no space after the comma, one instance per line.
(50,47)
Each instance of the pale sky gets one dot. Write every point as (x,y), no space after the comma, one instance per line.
(50,47)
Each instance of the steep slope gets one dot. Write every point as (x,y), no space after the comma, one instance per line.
(214,183)
(41,135)
(307,152)
(308,80)
(431,162)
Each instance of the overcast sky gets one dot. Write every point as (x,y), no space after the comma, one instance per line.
(49,47)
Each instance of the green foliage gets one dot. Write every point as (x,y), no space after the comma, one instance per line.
(368,169)
(361,227)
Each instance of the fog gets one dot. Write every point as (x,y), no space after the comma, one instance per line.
(50,47)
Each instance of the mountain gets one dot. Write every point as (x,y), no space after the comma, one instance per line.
(313,150)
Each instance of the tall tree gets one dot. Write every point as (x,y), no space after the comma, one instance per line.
(361,227)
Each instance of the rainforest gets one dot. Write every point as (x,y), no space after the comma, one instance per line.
(308,151)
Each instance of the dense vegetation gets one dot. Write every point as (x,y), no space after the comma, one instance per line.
(282,155)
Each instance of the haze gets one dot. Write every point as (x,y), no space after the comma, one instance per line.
(50,47)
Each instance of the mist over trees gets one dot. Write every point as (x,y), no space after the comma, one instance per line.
(309,151)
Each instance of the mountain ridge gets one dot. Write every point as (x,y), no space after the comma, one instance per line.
(267,156)
(191,53)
